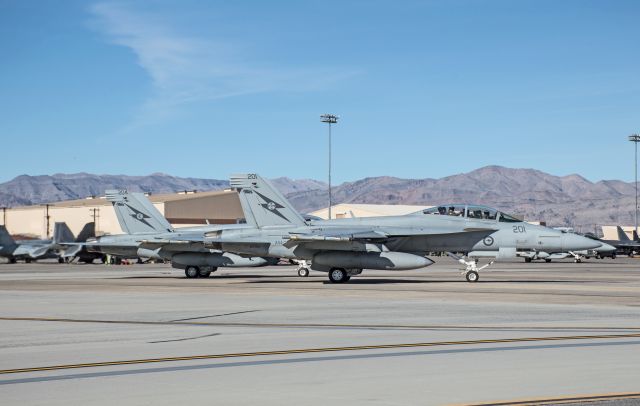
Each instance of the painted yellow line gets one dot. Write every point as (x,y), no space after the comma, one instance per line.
(316,350)
(559,400)
(321,325)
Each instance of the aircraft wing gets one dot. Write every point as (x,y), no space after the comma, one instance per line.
(371,235)
(71,251)
(38,251)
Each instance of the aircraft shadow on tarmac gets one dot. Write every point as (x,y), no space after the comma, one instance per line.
(372,280)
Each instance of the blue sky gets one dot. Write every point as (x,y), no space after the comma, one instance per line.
(423,88)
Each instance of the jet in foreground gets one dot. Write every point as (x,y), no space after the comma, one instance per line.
(344,247)
(143,222)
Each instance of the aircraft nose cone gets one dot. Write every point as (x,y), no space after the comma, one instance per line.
(574,242)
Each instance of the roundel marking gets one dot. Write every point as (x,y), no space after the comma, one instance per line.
(139,216)
(271,206)
(488,241)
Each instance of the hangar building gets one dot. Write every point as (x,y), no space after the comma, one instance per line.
(181,209)
(347,210)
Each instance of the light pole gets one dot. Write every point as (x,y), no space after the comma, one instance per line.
(635,138)
(329,119)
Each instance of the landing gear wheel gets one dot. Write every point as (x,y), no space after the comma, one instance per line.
(27,260)
(61,260)
(613,256)
(204,273)
(192,272)
(12,260)
(547,260)
(577,260)
(527,260)
(303,272)
(338,275)
(472,276)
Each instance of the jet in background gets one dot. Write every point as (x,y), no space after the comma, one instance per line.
(27,250)
(142,222)
(72,248)
(604,250)
(344,247)
(623,245)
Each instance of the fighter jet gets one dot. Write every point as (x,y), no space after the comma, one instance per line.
(26,250)
(72,248)
(604,250)
(344,247)
(142,222)
(623,245)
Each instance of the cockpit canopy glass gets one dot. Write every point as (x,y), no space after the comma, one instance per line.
(456,210)
(471,212)
(505,218)
(481,213)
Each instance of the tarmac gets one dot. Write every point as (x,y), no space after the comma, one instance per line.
(538,333)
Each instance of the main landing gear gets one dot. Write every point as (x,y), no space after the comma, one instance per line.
(193,271)
(303,268)
(338,275)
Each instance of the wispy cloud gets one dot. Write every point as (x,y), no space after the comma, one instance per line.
(186,69)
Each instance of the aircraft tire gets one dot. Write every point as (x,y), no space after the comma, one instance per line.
(613,256)
(303,272)
(472,276)
(12,260)
(203,274)
(61,260)
(547,260)
(192,272)
(338,275)
(27,260)
(527,260)
(577,260)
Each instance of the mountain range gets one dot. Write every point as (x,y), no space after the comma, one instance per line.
(538,196)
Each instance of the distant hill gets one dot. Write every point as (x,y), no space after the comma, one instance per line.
(560,200)
(28,190)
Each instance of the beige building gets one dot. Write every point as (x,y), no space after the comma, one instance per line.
(181,209)
(611,232)
(348,210)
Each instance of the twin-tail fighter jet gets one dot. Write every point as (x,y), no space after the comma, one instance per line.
(345,247)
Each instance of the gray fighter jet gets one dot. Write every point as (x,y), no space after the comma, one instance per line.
(143,223)
(344,247)
(28,250)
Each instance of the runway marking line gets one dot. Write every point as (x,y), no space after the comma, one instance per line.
(315,350)
(312,325)
(559,400)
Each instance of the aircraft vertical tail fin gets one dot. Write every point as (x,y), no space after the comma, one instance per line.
(62,233)
(5,238)
(88,231)
(136,214)
(622,236)
(262,203)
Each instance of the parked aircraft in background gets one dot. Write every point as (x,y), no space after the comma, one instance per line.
(27,250)
(72,248)
(623,245)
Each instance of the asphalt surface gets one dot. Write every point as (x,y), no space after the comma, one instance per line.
(557,333)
